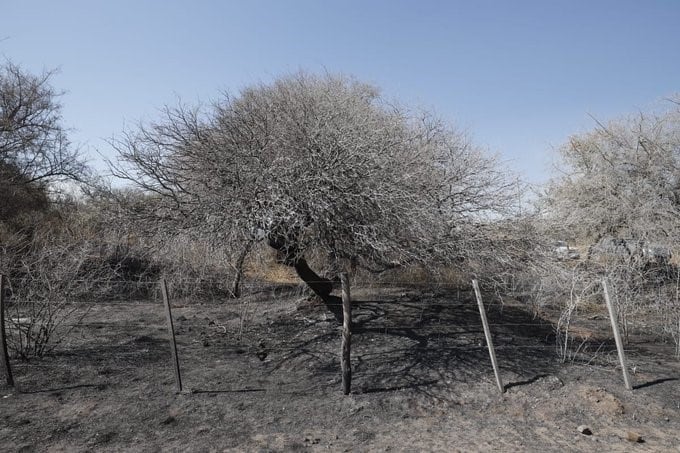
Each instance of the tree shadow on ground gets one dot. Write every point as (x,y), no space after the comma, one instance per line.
(654,382)
(441,339)
(137,350)
(67,368)
(403,340)
(64,388)
(420,343)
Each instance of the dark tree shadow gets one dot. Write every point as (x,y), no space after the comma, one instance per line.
(422,343)
(244,390)
(654,382)
(68,387)
(525,382)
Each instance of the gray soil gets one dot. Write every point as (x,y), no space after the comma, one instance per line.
(263,374)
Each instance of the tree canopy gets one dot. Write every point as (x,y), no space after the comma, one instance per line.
(34,148)
(621,180)
(317,163)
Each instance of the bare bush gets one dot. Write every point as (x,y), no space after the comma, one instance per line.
(621,180)
(193,262)
(318,165)
(45,281)
(619,198)
(567,287)
(56,266)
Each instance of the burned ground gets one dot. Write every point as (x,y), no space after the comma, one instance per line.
(264,374)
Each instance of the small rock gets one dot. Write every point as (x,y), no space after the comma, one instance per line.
(634,437)
(102,438)
(583,429)
(181,318)
(168,421)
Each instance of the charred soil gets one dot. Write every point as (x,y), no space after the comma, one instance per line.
(263,374)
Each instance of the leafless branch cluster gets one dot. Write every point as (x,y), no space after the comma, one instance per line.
(46,274)
(320,164)
(34,148)
(619,198)
(621,180)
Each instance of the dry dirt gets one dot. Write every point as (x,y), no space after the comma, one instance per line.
(264,375)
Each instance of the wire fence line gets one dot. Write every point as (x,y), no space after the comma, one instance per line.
(443,323)
(183,301)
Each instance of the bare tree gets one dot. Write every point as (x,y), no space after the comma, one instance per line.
(318,163)
(620,195)
(621,180)
(34,148)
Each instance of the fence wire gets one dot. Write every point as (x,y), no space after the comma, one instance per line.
(408,322)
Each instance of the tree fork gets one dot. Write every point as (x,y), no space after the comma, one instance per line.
(288,254)
(321,286)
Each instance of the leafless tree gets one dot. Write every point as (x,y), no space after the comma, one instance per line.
(621,180)
(34,148)
(620,196)
(318,163)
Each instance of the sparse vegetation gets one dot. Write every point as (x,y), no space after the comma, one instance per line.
(330,175)
(619,197)
(305,226)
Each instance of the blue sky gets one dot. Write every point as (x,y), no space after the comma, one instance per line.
(520,76)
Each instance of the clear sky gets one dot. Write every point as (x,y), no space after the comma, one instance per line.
(520,76)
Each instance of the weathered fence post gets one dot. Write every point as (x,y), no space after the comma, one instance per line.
(487,334)
(346,335)
(617,336)
(3,335)
(171,330)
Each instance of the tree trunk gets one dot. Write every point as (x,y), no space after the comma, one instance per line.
(322,287)
(236,284)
